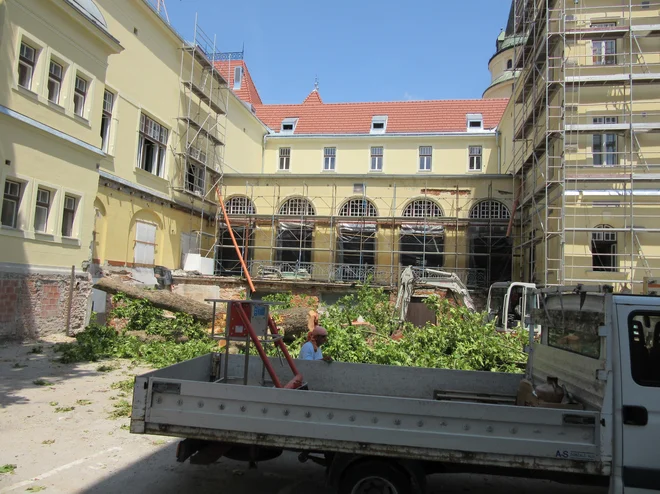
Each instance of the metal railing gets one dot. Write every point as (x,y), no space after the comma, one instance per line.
(384,275)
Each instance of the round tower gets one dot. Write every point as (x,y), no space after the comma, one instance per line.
(502,64)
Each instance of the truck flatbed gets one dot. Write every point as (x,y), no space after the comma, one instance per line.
(371,410)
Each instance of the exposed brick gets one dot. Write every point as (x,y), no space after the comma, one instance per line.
(36,305)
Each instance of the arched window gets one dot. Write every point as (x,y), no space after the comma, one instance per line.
(489,246)
(239,205)
(358,207)
(603,249)
(489,210)
(297,206)
(423,208)
(509,64)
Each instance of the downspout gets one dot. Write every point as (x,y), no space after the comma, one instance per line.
(499,151)
(263,153)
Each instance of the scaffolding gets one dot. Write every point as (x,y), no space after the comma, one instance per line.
(587,142)
(202,122)
(312,231)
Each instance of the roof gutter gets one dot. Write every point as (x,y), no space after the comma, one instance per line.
(483,133)
(370,176)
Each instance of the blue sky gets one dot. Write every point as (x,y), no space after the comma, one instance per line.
(361,50)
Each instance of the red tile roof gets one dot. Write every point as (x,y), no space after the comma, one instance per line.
(314,98)
(316,117)
(248,91)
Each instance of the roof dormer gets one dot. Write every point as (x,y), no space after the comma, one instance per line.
(475,122)
(289,125)
(378,124)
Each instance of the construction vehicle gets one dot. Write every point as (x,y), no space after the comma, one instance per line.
(510,305)
(383,429)
(416,284)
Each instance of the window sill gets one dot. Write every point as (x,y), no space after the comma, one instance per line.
(619,275)
(375,171)
(81,120)
(424,171)
(145,173)
(73,241)
(283,171)
(56,106)
(329,171)
(49,237)
(27,92)
(475,171)
(11,231)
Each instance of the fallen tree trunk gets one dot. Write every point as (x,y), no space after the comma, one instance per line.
(292,322)
(161,299)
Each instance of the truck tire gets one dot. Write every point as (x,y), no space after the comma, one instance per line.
(374,477)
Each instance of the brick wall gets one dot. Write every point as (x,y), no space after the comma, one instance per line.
(34,305)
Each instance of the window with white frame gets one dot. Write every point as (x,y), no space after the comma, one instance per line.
(423,208)
(604,145)
(106,118)
(603,249)
(377,159)
(26,62)
(358,207)
(289,125)
(239,205)
(604,50)
(11,201)
(379,124)
(145,243)
(475,155)
(425,157)
(285,159)
(489,210)
(152,146)
(329,158)
(475,121)
(195,175)
(79,96)
(42,210)
(297,206)
(69,215)
(238,77)
(55,72)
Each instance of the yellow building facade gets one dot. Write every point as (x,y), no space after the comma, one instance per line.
(54,57)
(357,192)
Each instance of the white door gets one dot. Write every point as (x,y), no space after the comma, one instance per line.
(639,330)
(145,243)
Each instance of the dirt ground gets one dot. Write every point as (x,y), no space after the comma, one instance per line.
(56,427)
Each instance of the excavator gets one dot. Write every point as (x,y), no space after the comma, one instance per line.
(416,284)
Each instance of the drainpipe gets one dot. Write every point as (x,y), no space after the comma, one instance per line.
(499,151)
(263,153)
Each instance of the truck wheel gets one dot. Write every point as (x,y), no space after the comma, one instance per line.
(374,477)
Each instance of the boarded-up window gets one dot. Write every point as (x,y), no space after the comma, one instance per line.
(145,243)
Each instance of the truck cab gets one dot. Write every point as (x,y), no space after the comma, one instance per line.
(510,305)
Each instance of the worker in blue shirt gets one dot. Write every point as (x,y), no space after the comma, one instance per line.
(312,349)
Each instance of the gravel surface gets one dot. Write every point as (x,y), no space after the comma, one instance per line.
(56,426)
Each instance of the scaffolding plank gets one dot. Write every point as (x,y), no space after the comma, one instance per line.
(204,61)
(589,128)
(642,77)
(199,92)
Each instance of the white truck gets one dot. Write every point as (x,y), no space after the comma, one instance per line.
(383,429)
